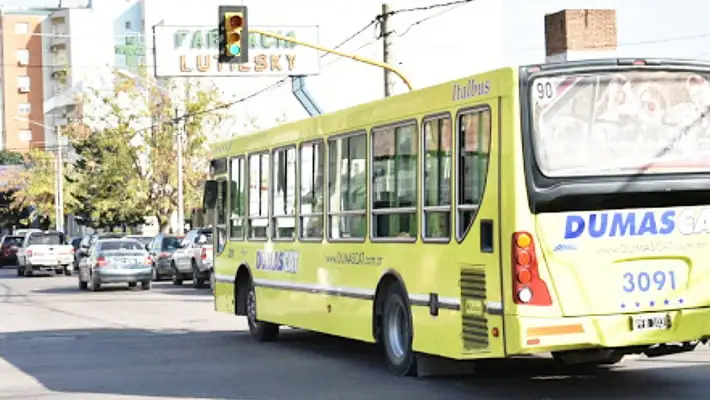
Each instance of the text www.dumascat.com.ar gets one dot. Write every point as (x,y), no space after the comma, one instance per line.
(650,247)
(353,258)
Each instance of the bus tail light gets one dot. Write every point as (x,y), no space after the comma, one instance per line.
(528,287)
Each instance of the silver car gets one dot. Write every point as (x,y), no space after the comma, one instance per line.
(115,261)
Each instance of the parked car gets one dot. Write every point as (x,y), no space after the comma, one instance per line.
(112,261)
(193,260)
(145,240)
(161,252)
(44,251)
(8,250)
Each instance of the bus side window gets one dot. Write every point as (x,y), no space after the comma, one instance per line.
(312,180)
(474,137)
(347,187)
(237,200)
(258,196)
(284,193)
(437,178)
(394,182)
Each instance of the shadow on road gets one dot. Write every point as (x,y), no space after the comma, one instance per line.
(302,365)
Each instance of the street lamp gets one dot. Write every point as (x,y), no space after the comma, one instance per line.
(59,193)
(179,146)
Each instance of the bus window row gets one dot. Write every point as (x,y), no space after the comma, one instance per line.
(281,194)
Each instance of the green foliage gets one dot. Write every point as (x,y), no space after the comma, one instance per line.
(127,166)
(8,157)
(106,190)
(36,186)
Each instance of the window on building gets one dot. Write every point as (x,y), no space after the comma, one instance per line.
(437,178)
(394,182)
(347,186)
(258,195)
(22,27)
(24,108)
(22,56)
(474,137)
(128,24)
(284,193)
(312,174)
(23,83)
(25,135)
(237,201)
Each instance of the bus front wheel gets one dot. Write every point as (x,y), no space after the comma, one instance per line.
(260,330)
(397,333)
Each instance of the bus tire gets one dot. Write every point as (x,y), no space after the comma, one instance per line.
(260,330)
(397,333)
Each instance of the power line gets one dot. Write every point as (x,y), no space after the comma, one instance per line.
(430,7)
(421,21)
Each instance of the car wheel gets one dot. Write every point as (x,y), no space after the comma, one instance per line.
(177,278)
(28,270)
(146,285)
(94,286)
(260,330)
(67,271)
(197,281)
(156,275)
(132,284)
(397,333)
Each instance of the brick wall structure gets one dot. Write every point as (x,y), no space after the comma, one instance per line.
(580,30)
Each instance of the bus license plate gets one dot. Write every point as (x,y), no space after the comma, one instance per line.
(650,322)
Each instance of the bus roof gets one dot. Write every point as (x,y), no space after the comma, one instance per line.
(429,100)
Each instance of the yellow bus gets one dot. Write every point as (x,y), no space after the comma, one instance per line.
(558,208)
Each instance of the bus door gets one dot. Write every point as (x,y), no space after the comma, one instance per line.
(477,226)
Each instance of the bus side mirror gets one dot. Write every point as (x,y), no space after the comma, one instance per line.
(209,195)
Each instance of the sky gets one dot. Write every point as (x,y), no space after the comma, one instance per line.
(431,46)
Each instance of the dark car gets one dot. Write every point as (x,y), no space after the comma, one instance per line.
(161,251)
(8,251)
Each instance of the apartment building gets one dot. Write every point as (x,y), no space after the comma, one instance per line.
(22,64)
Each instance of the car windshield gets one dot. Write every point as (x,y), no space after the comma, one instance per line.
(113,245)
(622,123)
(171,243)
(52,238)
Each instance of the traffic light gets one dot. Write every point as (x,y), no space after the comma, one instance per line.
(233,35)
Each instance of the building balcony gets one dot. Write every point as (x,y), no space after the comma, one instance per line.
(64,100)
(59,41)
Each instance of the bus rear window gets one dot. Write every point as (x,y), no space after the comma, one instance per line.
(621,123)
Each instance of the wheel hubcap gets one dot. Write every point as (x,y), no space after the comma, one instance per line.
(397,332)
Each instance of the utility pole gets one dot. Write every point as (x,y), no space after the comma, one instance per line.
(180,196)
(60,181)
(387,56)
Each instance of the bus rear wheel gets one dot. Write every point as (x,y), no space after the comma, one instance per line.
(397,333)
(260,330)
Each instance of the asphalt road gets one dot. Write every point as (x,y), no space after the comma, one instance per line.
(59,343)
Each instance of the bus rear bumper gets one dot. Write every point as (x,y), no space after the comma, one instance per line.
(541,335)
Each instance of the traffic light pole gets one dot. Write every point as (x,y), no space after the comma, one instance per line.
(355,57)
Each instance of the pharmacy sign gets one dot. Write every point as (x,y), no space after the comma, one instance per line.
(192,51)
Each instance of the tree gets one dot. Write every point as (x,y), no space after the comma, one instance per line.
(105,190)
(8,157)
(36,188)
(134,131)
